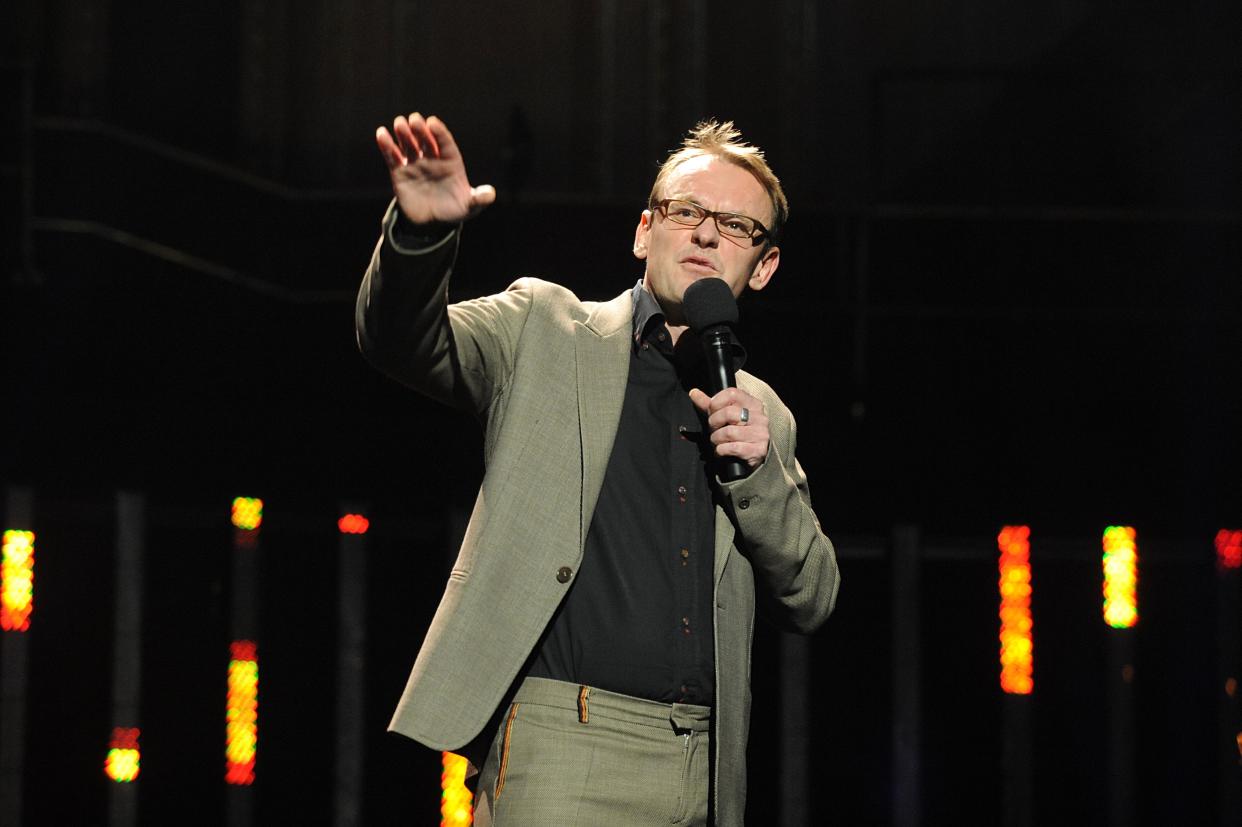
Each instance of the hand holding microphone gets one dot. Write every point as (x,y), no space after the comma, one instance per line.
(738,423)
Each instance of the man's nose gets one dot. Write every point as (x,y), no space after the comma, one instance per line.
(707,234)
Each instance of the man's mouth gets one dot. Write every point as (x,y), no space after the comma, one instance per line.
(700,262)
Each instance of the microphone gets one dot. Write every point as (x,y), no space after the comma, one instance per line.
(711,311)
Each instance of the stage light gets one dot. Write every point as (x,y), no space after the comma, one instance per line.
(456,808)
(242,716)
(247,513)
(17,580)
(353,524)
(121,765)
(1120,577)
(1016,650)
(1229,549)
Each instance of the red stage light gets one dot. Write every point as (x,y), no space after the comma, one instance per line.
(1229,549)
(353,524)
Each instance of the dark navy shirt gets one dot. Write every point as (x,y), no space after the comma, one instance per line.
(638,617)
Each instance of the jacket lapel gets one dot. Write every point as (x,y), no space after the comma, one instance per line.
(602,344)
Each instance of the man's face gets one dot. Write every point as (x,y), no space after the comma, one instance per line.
(678,255)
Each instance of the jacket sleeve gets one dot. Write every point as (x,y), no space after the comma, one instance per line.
(461,354)
(795,565)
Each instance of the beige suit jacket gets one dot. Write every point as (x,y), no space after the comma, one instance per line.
(545,373)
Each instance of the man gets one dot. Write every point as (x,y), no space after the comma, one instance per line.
(591,652)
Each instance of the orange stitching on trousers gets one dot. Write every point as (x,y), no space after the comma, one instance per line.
(584,713)
(504,752)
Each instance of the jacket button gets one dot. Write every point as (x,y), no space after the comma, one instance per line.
(743,504)
(563,574)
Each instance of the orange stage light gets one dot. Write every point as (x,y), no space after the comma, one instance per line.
(1016,649)
(242,715)
(456,802)
(122,763)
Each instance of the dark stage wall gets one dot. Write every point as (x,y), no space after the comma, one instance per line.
(1009,293)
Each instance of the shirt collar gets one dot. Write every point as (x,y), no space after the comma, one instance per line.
(647,315)
(647,312)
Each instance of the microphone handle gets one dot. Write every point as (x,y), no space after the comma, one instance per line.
(718,345)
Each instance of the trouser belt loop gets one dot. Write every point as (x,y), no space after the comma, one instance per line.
(584,712)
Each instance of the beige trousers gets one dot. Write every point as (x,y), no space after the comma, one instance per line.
(566,755)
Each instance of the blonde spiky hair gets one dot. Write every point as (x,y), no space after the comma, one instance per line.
(724,140)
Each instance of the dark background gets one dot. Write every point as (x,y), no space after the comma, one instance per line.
(1010,292)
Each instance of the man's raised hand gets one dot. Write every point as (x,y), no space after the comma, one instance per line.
(428,174)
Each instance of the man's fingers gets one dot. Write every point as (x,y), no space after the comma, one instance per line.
(388,148)
(405,138)
(745,451)
(732,415)
(446,147)
(426,141)
(739,433)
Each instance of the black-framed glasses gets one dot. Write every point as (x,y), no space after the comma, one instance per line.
(732,224)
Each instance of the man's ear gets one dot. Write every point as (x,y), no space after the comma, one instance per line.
(640,235)
(765,268)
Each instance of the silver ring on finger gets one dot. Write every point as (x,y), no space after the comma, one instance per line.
(745,417)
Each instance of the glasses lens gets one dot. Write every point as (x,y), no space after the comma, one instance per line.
(684,212)
(738,226)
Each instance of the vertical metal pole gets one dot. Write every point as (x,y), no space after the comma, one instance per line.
(127,641)
(1121,727)
(19,513)
(907,809)
(795,730)
(351,666)
(1019,800)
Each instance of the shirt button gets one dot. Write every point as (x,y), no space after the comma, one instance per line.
(685,554)
(681,493)
(563,574)
(744,504)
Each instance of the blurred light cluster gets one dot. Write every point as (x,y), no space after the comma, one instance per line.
(1120,577)
(17,580)
(242,716)
(1016,652)
(247,513)
(456,802)
(1229,549)
(121,765)
(353,524)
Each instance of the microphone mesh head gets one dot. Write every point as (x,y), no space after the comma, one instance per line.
(707,303)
